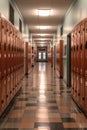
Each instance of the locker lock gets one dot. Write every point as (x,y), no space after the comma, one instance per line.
(7,96)
(9,47)
(83,98)
(78,94)
(2,101)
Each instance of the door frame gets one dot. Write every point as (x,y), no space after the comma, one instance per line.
(38,50)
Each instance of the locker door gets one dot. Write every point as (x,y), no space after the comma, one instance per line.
(12,85)
(72,82)
(13,48)
(85,64)
(8,89)
(82,50)
(76,52)
(82,91)
(0,96)
(8,48)
(3,96)
(0,51)
(72,51)
(75,86)
(11,51)
(78,87)
(86,93)
(77,49)
(4,49)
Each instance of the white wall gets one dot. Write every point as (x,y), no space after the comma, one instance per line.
(76,13)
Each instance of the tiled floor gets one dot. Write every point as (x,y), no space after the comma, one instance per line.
(44,103)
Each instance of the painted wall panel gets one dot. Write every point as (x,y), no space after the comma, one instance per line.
(76,13)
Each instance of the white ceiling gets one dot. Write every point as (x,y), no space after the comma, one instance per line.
(29,9)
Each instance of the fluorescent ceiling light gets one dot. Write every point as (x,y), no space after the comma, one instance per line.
(44,12)
(43,27)
(42,34)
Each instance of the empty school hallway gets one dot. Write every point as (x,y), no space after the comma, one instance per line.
(43,64)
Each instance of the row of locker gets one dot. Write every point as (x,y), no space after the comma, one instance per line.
(28,58)
(11,48)
(79,90)
(9,86)
(59,58)
(11,62)
(79,48)
(79,64)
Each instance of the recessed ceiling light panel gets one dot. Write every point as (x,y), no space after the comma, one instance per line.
(44,12)
(43,27)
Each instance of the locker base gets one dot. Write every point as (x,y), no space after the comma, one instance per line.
(8,108)
(81,109)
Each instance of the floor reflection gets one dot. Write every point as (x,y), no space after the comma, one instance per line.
(44,103)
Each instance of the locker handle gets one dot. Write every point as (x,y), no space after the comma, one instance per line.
(86,45)
(2,101)
(81,47)
(78,94)
(74,48)
(77,47)
(9,47)
(7,96)
(83,98)
(4,46)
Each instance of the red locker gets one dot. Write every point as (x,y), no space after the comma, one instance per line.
(4,48)
(78,87)
(85,51)
(74,49)
(12,85)
(11,49)
(3,95)
(0,96)
(72,83)
(15,51)
(85,93)
(75,85)
(81,54)
(77,49)
(0,51)
(72,52)
(82,91)
(8,89)
(8,49)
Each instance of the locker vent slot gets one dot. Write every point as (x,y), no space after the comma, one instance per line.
(86,45)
